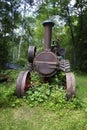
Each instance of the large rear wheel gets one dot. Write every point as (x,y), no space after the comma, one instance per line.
(23,83)
(70,85)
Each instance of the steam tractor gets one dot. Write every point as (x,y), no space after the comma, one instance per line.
(47,63)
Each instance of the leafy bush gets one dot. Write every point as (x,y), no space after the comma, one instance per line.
(50,95)
(7,91)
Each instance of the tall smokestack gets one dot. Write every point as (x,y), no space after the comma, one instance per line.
(47,34)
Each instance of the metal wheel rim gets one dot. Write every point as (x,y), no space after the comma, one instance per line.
(70,84)
(18,84)
(25,84)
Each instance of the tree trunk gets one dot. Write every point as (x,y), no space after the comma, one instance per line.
(12,31)
(22,31)
(72,36)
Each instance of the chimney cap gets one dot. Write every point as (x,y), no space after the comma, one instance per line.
(48,22)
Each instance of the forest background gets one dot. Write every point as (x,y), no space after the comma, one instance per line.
(21,26)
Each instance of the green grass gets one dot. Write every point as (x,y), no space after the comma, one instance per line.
(81,81)
(36,118)
(23,117)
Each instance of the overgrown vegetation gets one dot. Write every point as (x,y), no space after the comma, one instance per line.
(51,96)
(44,106)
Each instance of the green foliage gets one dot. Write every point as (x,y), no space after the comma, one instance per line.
(7,25)
(21,62)
(39,94)
(7,91)
(4,50)
(7,97)
(50,95)
(51,98)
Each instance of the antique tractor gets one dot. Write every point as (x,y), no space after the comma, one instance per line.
(47,63)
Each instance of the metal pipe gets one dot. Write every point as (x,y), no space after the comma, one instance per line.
(47,34)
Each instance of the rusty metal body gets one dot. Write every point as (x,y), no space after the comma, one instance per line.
(48,62)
